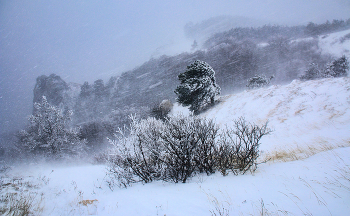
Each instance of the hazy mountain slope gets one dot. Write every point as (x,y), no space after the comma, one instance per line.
(203,30)
(235,55)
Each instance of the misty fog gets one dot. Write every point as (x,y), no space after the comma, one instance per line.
(89,40)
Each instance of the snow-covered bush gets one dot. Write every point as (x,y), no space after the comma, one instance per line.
(205,155)
(258,81)
(311,73)
(198,87)
(337,68)
(49,133)
(136,157)
(181,146)
(189,146)
(170,150)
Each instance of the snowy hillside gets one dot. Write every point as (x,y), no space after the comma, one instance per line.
(308,172)
(312,116)
(336,44)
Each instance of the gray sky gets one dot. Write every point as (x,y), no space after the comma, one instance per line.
(87,40)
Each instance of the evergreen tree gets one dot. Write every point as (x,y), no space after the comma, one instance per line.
(99,90)
(338,68)
(49,132)
(198,87)
(86,90)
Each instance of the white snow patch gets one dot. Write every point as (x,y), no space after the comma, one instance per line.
(155,85)
(143,75)
(178,109)
(262,45)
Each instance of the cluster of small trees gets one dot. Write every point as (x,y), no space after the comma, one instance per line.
(337,68)
(49,133)
(179,147)
(317,29)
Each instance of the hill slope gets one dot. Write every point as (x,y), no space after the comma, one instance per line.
(312,114)
(307,118)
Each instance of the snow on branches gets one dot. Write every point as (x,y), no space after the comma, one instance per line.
(49,133)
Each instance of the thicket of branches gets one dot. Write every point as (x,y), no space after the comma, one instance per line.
(337,68)
(179,147)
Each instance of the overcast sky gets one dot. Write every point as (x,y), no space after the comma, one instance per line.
(87,40)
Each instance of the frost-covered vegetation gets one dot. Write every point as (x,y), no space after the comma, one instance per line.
(179,147)
(49,133)
(337,68)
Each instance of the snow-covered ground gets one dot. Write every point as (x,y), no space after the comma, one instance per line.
(336,44)
(310,116)
(308,172)
(306,169)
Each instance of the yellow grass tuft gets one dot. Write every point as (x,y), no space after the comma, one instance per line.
(88,202)
(300,153)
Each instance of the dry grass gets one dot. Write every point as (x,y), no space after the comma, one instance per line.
(299,111)
(219,208)
(299,153)
(19,196)
(21,204)
(282,120)
(87,202)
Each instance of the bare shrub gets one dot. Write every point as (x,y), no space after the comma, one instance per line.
(242,146)
(179,147)
(207,132)
(224,157)
(180,144)
(189,144)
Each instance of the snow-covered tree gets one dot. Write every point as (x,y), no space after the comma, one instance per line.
(197,87)
(49,132)
(338,68)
